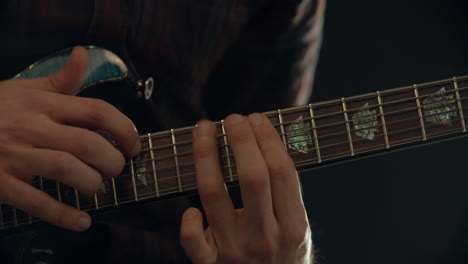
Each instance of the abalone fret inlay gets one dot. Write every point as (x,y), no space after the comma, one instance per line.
(365,122)
(440,108)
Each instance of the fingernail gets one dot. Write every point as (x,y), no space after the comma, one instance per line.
(134,127)
(202,129)
(235,119)
(191,213)
(137,147)
(84,222)
(256,118)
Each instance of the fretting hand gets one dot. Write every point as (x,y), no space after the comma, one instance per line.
(44,131)
(272,227)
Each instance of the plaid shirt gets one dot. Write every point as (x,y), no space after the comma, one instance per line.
(209,57)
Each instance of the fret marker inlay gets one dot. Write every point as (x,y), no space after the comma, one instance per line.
(365,123)
(299,136)
(439,108)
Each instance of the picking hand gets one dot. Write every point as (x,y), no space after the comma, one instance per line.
(44,131)
(272,227)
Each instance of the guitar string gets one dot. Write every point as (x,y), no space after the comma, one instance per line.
(307,131)
(144,138)
(323,147)
(6,224)
(159,135)
(187,142)
(150,194)
(162,180)
(179,144)
(415,97)
(297,135)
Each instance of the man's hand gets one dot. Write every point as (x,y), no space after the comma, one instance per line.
(273,226)
(44,131)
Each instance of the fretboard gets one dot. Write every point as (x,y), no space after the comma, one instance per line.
(312,134)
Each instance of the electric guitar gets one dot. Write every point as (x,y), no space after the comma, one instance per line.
(314,135)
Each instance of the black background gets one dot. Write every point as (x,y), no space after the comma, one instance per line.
(404,207)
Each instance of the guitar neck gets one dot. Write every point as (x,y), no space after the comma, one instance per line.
(312,134)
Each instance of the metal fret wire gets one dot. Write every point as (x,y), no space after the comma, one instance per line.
(162,134)
(307,130)
(192,186)
(345,111)
(318,127)
(291,153)
(315,118)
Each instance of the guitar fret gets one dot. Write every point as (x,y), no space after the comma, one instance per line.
(228,159)
(153,165)
(283,134)
(59,196)
(350,138)
(314,131)
(1,218)
(132,169)
(176,159)
(77,199)
(421,120)
(41,183)
(96,203)
(460,108)
(398,126)
(15,218)
(382,118)
(114,190)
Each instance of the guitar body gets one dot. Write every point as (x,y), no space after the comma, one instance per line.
(140,233)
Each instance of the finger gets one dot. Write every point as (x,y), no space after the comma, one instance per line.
(35,202)
(287,200)
(68,80)
(213,194)
(61,166)
(86,145)
(252,171)
(193,239)
(96,114)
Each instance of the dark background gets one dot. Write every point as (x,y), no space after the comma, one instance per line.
(409,206)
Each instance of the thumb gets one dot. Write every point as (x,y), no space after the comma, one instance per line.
(69,79)
(193,239)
